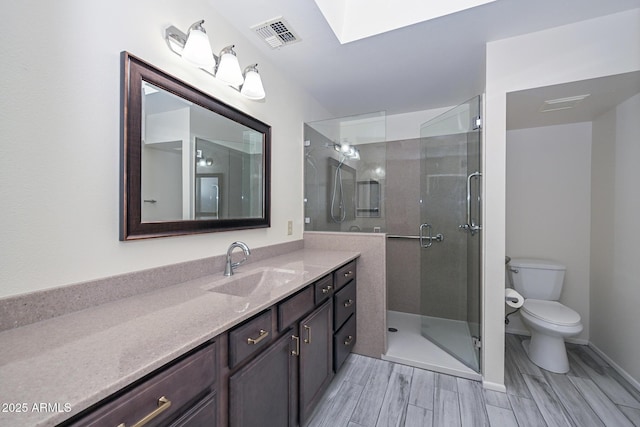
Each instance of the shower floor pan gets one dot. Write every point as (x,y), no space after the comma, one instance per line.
(409,347)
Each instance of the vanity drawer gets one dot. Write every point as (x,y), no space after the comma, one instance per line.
(295,307)
(343,342)
(344,302)
(345,274)
(173,388)
(250,337)
(324,288)
(205,413)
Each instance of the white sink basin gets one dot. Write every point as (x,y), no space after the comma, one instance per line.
(257,281)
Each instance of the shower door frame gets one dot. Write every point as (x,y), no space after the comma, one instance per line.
(462,225)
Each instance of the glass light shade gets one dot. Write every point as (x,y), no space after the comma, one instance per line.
(229,70)
(252,87)
(197,50)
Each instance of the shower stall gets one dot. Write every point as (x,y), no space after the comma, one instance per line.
(425,194)
(438,247)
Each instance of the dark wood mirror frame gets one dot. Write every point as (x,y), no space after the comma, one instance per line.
(134,72)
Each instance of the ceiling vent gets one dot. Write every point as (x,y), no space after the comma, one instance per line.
(276,33)
(562,103)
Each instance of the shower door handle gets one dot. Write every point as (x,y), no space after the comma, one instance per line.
(422,237)
(429,239)
(471,226)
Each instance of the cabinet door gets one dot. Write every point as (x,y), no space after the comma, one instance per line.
(316,366)
(264,392)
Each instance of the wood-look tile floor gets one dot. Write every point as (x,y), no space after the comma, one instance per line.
(369,392)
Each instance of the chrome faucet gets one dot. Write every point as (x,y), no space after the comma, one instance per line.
(229,266)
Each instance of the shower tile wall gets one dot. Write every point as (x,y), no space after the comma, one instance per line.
(444,266)
(442,296)
(403,218)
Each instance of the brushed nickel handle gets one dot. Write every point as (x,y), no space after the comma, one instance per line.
(471,226)
(296,352)
(263,335)
(327,289)
(163,405)
(307,340)
(348,303)
(348,273)
(348,341)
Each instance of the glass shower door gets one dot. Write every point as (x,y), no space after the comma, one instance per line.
(450,231)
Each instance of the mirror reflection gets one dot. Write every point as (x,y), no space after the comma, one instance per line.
(197,164)
(190,163)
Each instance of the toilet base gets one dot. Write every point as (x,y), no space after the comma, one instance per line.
(547,352)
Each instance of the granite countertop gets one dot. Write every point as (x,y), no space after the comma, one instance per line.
(72,361)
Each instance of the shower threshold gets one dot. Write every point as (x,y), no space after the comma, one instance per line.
(408,347)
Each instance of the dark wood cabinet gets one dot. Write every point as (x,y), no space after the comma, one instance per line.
(183,389)
(343,341)
(250,337)
(316,356)
(270,370)
(344,324)
(264,391)
(204,414)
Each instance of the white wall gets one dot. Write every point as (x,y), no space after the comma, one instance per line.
(548,206)
(59,137)
(615,252)
(588,49)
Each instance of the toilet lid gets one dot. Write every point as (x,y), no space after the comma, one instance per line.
(551,311)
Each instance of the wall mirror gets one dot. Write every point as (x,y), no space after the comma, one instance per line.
(189,163)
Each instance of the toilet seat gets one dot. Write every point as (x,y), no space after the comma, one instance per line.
(551,312)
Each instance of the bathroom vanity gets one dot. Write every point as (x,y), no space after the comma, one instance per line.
(261,345)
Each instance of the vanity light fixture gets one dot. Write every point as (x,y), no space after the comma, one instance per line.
(348,151)
(228,69)
(201,160)
(252,87)
(195,48)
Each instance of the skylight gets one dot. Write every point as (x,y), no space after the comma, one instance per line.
(352,20)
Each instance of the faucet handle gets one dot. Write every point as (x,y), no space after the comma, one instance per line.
(235,264)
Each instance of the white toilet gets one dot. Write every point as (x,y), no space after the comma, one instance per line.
(540,283)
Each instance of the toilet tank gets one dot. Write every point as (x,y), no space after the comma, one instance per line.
(537,278)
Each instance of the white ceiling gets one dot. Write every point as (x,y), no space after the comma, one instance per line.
(431,64)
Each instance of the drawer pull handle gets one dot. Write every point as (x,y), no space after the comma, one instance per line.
(348,273)
(263,335)
(296,352)
(307,340)
(163,405)
(348,303)
(327,289)
(347,342)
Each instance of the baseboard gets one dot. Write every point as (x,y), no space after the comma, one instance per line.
(580,341)
(526,333)
(494,386)
(517,331)
(635,383)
